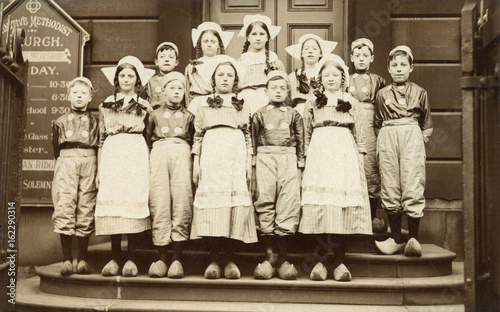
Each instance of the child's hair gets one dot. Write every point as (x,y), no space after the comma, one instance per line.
(236,79)
(269,67)
(166,48)
(278,78)
(392,56)
(320,93)
(304,86)
(361,45)
(78,83)
(199,51)
(138,84)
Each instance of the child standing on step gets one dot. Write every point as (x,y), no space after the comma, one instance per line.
(257,59)
(123,174)
(309,50)
(334,192)
(167,57)
(403,115)
(278,140)
(75,138)
(208,40)
(222,166)
(170,190)
(364,86)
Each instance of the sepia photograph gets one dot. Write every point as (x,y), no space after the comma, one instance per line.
(250,155)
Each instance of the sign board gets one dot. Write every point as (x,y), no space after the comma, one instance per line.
(54,48)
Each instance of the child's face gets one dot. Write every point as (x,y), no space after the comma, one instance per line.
(80,96)
(224,79)
(311,52)
(174,91)
(277,90)
(362,58)
(166,60)
(257,38)
(209,44)
(400,69)
(331,78)
(127,80)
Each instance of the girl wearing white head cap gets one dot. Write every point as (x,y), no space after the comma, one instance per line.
(222,165)
(208,40)
(123,159)
(257,59)
(309,50)
(334,192)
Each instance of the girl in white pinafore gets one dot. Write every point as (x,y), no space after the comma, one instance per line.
(334,192)
(123,160)
(222,165)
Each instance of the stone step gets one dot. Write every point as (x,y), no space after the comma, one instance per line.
(30,298)
(442,290)
(435,261)
(302,243)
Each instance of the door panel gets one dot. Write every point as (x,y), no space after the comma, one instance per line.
(296,18)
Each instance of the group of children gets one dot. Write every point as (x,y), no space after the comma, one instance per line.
(233,148)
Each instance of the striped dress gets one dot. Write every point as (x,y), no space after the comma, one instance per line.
(222,206)
(199,78)
(122,198)
(334,191)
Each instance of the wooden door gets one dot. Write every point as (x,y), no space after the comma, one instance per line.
(324,18)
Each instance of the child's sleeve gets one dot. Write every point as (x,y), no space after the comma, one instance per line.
(149,127)
(55,139)
(256,126)
(246,130)
(279,65)
(377,118)
(191,129)
(102,128)
(308,128)
(199,132)
(187,95)
(357,131)
(298,125)
(426,123)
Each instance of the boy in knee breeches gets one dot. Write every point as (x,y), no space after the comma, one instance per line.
(364,86)
(75,138)
(403,117)
(278,135)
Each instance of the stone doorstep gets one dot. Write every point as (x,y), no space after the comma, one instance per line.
(436,261)
(30,298)
(361,290)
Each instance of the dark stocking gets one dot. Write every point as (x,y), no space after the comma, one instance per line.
(66,246)
(116,247)
(413,225)
(83,244)
(162,253)
(395,224)
(284,243)
(178,247)
(373,207)
(267,243)
(338,246)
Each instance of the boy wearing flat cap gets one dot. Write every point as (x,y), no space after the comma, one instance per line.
(75,137)
(278,137)
(167,58)
(403,118)
(364,86)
